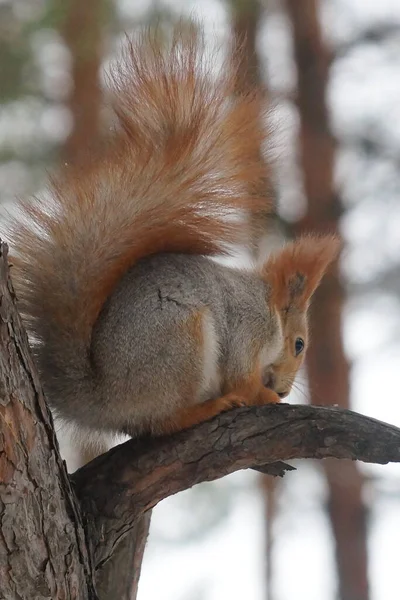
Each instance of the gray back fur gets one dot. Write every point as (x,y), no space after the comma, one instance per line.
(144,359)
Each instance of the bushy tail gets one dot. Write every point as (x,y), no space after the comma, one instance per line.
(184,156)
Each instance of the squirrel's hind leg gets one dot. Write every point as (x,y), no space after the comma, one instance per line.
(250,392)
(193,415)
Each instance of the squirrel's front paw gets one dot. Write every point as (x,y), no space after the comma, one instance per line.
(230,401)
(268,396)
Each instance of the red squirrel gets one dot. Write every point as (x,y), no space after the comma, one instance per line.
(135,327)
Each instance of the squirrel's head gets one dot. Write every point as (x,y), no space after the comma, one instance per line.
(293,275)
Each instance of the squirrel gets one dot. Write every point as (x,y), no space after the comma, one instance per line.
(135,327)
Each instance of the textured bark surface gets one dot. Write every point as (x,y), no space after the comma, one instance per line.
(119,577)
(42,544)
(118,488)
(328,368)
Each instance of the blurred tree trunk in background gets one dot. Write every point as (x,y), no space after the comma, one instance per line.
(327,365)
(246,16)
(82,29)
(270,489)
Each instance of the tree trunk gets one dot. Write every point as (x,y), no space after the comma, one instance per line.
(43,552)
(327,365)
(119,578)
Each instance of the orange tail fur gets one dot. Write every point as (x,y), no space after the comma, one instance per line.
(181,160)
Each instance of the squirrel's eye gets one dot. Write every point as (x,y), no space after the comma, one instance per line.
(298,346)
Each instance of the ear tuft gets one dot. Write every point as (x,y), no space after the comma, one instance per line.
(295,272)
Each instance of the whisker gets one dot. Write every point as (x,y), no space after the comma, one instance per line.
(303,393)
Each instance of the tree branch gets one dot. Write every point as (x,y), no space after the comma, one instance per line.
(117,488)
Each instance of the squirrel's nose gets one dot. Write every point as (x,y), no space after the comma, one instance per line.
(283,394)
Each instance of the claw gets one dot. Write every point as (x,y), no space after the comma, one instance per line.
(230,401)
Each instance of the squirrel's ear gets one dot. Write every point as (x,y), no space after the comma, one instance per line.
(295,271)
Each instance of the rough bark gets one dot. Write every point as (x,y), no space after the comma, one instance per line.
(327,364)
(119,577)
(119,487)
(42,543)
